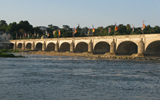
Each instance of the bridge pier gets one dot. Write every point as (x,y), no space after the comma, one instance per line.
(23,45)
(72,46)
(44,46)
(141,48)
(15,46)
(33,46)
(57,47)
(90,47)
(112,47)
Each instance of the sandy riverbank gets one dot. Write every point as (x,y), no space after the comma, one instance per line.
(86,54)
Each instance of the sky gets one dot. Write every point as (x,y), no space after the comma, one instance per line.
(83,12)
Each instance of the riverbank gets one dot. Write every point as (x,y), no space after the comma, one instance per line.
(86,54)
(8,53)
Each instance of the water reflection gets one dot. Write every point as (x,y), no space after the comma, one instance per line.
(38,77)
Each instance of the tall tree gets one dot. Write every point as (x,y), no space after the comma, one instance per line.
(25,25)
(157,29)
(53,27)
(128,29)
(56,34)
(66,27)
(122,29)
(2,22)
(12,27)
(3,25)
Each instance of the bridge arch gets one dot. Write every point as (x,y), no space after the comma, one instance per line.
(19,46)
(38,46)
(64,47)
(153,48)
(11,46)
(50,47)
(101,47)
(127,48)
(82,47)
(28,46)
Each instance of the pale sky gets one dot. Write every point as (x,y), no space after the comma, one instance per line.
(83,12)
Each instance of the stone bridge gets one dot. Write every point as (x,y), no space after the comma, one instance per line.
(148,44)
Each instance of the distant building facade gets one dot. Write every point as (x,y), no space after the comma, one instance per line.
(4,36)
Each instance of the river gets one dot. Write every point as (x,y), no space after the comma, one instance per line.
(39,77)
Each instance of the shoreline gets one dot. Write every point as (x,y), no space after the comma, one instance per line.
(86,54)
(4,53)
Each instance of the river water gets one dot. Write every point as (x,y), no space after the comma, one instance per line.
(39,77)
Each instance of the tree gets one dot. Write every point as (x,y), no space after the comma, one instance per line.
(149,30)
(100,31)
(128,29)
(12,27)
(84,30)
(3,28)
(157,29)
(3,25)
(3,22)
(121,29)
(66,27)
(25,25)
(53,27)
(56,34)
(50,30)
(138,31)
(78,32)
(38,30)
(22,32)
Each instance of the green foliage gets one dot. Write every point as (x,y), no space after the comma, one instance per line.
(3,25)
(12,27)
(2,22)
(66,27)
(7,55)
(24,27)
(53,28)
(128,29)
(56,34)
(20,29)
(3,53)
(8,50)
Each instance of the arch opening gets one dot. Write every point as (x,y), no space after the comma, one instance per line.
(11,46)
(28,46)
(82,47)
(50,47)
(19,46)
(127,48)
(38,46)
(101,48)
(64,47)
(153,49)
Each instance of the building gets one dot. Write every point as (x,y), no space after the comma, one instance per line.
(4,36)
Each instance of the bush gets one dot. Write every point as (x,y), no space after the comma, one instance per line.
(7,55)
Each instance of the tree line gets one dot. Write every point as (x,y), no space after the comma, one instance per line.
(24,29)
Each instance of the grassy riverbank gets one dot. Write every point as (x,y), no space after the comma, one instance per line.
(4,53)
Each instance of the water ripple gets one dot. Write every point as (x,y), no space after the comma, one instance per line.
(38,77)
